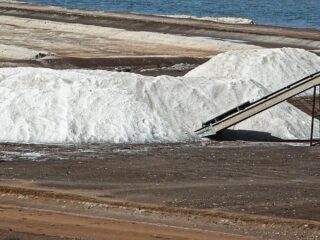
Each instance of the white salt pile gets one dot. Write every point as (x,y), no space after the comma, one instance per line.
(76,106)
(228,20)
(14,52)
(272,68)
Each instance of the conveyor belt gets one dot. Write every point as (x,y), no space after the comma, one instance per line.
(250,109)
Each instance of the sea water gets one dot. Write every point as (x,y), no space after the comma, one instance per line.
(290,13)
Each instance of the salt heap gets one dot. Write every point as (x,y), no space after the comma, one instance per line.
(228,20)
(272,68)
(81,106)
(269,70)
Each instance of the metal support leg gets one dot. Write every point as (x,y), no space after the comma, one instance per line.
(313,113)
(319,114)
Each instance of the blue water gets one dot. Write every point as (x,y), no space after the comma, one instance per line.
(291,13)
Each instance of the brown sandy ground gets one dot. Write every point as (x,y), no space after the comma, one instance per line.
(48,224)
(13,235)
(268,191)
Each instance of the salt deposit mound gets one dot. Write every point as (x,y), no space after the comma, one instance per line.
(272,68)
(83,106)
(228,20)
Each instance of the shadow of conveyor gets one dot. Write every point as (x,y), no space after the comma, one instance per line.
(255,136)
(245,135)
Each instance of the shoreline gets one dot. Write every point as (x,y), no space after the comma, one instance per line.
(37,10)
(219,20)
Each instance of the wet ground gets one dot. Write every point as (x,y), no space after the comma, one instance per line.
(151,66)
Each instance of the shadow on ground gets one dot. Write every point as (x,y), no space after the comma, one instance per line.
(245,135)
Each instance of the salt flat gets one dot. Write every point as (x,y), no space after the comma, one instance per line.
(70,39)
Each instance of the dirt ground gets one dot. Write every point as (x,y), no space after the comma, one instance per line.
(280,181)
(44,224)
(150,66)
(274,180)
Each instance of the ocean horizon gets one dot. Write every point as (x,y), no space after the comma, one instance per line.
(288,13)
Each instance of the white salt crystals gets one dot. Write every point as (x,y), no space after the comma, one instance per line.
(91,106)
